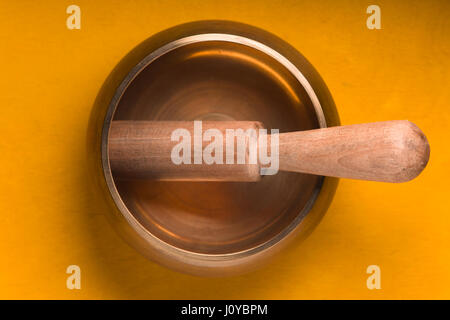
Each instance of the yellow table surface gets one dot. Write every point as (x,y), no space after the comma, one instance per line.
(49,219)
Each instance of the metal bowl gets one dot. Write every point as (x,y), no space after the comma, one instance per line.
(213,70)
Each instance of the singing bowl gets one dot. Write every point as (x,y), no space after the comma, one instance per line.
(212,70)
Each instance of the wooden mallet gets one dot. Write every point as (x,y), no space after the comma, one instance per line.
(390,151)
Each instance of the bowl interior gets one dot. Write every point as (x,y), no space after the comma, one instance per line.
(218,80)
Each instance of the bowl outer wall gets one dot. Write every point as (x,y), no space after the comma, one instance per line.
(201,264)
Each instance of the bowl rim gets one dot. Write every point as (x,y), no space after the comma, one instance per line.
(133,73)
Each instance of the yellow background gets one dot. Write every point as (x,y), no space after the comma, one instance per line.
(49,219)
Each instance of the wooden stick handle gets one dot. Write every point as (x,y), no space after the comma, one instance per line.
(391,151)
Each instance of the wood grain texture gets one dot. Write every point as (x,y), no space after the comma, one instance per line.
(390,151)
